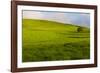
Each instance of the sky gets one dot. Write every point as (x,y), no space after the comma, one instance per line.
(81,19)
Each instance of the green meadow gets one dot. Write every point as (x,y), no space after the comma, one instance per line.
(44,40)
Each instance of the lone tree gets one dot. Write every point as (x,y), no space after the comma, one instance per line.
(79,29)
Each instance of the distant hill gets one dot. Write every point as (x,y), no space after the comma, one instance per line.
(51,25)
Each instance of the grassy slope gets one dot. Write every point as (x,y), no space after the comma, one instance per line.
(47,40)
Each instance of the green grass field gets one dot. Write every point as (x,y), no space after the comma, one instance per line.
(50,41)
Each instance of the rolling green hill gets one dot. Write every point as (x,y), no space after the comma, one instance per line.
(49,41)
